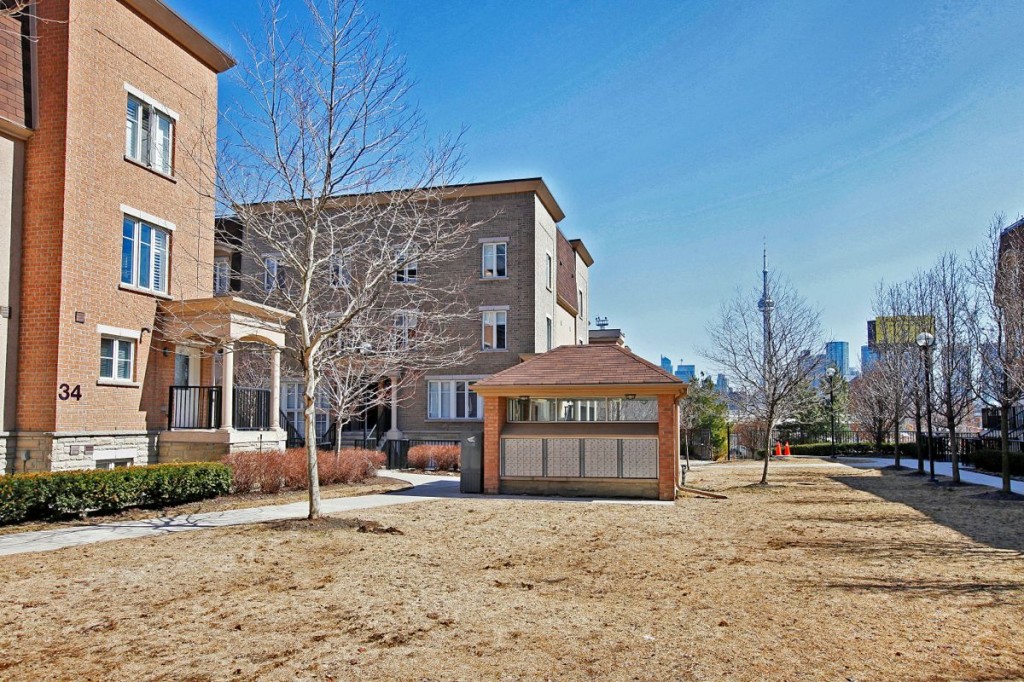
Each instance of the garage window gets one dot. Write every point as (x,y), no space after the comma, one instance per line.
(583,410)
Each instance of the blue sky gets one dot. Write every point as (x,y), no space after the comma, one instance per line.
(861,139)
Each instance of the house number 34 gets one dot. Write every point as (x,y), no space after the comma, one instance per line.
(66,392)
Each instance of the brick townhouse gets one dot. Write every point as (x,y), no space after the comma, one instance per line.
(106,242)
(528,292)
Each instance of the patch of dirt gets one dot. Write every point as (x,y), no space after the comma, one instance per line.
(829,573)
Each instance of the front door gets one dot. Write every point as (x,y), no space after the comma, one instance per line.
(190,400)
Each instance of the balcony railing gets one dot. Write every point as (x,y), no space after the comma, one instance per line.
(194,407)
(251,409)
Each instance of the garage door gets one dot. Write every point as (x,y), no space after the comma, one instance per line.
(625,458)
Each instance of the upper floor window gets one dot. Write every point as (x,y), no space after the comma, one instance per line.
(549,272)
(339,274)
(149,134)
(579,304)
(117,358)
(144,255)
(273,273)
(405,327)
(495,330)
(407,272)
(550,337)
(494,260)
(221,275)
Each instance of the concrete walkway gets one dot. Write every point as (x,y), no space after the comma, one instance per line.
(424,488)
(941,469)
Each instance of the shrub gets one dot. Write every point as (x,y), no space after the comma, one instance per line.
(271,472)
(435,457)
(992,460)
(59,494)
(825,449)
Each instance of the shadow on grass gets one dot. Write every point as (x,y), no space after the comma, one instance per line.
(965,509)
(924,587)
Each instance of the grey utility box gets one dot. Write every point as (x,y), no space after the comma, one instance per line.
(471,463)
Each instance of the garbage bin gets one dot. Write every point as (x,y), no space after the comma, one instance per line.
(471,463)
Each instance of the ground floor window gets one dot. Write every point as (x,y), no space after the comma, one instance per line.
(453,399)
(117,358)
(293,405)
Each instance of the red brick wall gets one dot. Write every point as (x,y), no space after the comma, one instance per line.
(668,447)
(43,228)
(12,75)
(77,180)
(494,423)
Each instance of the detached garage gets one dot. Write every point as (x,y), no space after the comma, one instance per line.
(591,420)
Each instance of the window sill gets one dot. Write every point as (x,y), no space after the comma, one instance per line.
(494,279)
(494,350)
(154,171)
(146,292)
(118,382)
(441,420)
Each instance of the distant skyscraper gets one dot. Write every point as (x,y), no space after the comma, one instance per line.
(868,357)
(722,384)
(686,372)
(837,354)
(666,364)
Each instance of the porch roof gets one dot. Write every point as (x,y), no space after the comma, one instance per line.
(223,319)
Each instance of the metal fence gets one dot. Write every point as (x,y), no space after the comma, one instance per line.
(194,407)
(251,409)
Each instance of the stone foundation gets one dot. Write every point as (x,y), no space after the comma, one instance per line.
(211,446)
(49,451)
(7,451)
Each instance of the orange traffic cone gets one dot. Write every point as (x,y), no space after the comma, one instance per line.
(788,453)
(778,449)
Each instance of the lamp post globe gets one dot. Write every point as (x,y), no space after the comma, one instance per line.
(925,341)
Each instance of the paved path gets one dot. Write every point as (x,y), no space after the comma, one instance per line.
(941,469)
(424,488)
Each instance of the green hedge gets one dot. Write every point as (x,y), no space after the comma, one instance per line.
(55,495)
(992,460)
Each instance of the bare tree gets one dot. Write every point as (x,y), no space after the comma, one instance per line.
(325,127)
(997,270)
(955,311)
(764,354)
(871,402)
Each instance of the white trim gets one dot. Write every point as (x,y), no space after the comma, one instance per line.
(490,308)
(118,332)
(493,240)
(147,217)
(120,453)
(139,94)
(457,377)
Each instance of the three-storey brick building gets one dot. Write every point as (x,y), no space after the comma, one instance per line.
(106,111)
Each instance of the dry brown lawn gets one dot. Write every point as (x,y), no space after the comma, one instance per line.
(829,574)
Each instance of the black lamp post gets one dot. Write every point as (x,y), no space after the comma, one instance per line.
(926,341)
(830,373)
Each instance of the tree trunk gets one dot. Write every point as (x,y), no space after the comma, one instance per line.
(686,448)
(767,455)
(309,415)
(1004,443)
(896,443)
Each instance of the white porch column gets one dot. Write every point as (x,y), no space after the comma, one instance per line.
(227,398)
(394,433)
(275,388)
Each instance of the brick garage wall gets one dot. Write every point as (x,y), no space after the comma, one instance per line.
(109,45)
(668,447)
(513,216)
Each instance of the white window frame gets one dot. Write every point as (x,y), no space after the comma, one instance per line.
(156,228)
(408,273)
(405,324)
(549,330)
(144,152)
(273,277)
(549,274)
(490,249)
(443,400)
(579,304)
(339,275)
(116,344)
(490,318)
(221,274)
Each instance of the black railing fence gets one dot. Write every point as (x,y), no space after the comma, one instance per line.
(194,407)
(251,409)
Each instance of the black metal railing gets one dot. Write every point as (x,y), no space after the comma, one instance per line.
(194,407)
(251,409)
(292,437)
